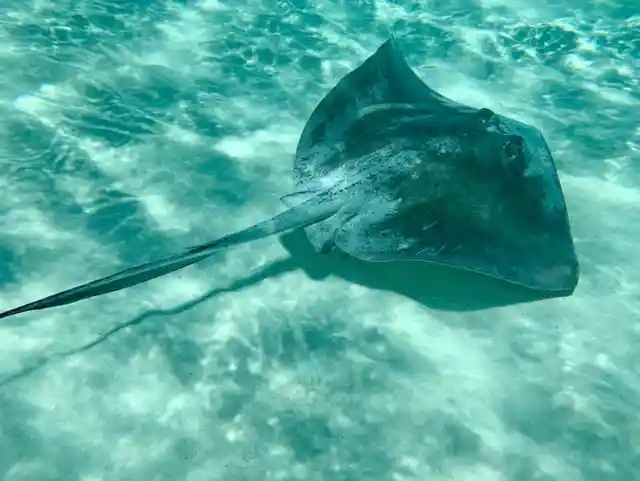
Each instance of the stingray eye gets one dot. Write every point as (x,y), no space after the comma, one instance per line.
(485,116)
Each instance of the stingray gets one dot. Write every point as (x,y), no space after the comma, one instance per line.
(387,169)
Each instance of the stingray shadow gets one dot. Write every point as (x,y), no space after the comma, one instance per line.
(272,270)
(434,286)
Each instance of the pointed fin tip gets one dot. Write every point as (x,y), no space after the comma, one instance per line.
(389,47)
(15,311)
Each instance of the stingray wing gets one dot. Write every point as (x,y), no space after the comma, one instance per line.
(384,78)
(424,231)
(455,217)
(445,193)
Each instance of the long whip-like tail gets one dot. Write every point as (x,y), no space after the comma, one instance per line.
(300,216)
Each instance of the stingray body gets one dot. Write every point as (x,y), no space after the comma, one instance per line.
(387,169)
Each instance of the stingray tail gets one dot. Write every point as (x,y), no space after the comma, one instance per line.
(301,216)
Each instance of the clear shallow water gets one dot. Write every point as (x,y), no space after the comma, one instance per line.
(130,131)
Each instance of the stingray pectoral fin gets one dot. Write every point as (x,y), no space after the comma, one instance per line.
(297,217)
(539,260)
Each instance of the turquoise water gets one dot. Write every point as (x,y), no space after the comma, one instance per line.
(133,129)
